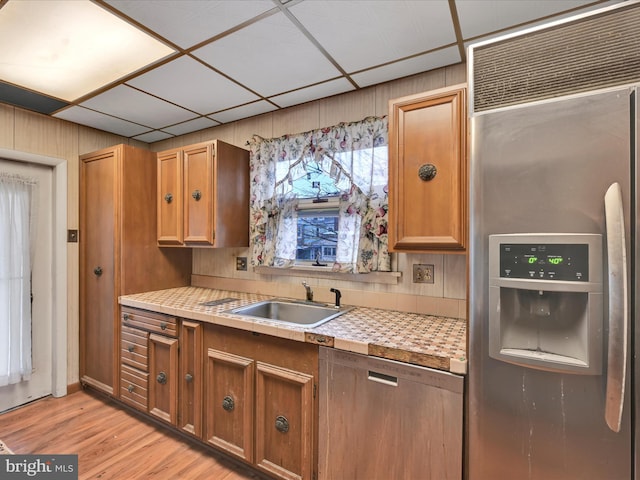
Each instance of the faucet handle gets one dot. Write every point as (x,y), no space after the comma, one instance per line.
(338,295)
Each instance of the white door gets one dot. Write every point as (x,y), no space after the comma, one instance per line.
(40,383)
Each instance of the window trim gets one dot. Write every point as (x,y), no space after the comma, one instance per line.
(388,278)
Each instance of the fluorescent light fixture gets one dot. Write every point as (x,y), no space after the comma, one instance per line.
(69,48)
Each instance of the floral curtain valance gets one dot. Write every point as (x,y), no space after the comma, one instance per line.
(351,155)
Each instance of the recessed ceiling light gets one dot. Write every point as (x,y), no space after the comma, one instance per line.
(69,48)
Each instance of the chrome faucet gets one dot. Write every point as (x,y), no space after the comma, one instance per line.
(309,291)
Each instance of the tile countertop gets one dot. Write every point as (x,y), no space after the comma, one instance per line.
(430,341)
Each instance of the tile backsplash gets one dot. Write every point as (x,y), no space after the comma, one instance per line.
(216,268)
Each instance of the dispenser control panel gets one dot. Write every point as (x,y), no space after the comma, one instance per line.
(545,261)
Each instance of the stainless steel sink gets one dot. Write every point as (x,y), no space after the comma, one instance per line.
(293,313)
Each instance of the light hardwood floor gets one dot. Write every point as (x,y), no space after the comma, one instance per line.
(112,442)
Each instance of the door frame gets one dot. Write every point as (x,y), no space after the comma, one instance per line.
(59,267)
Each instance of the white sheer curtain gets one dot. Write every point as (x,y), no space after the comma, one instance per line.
(16,242)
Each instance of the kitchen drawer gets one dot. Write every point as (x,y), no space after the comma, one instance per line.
(133,348)
(134,387)
(150,321)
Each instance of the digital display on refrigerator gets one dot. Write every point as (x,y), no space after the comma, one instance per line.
(569,262)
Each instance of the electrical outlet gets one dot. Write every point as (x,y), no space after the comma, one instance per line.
(422,273)
(241,263)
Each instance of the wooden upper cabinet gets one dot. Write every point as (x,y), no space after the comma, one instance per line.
(170,198)
(428,171)
(199,193)
(211,203)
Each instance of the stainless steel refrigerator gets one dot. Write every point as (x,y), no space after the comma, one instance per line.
(553,289)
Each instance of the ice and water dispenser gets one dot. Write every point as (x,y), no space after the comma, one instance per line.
(546,301)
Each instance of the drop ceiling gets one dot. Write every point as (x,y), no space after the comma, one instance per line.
(233,59)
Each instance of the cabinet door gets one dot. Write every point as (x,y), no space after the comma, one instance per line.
(190,418)
(229,403)
(284,422)
(170,198)
(98,258)
(427,172)
(163,381)
(198,194)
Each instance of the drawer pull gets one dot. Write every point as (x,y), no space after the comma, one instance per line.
(97,271)
(282,424)
(163,325)
(197,195)
(228,404)
(131,348)
(382,378)
(161,378)
(188,377)
(130,388)
(168,198)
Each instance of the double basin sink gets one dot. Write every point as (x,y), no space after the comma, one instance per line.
(299,313)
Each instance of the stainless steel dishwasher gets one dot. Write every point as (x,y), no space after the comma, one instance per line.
(387,420)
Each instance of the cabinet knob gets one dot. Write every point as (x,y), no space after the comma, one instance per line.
(427,172)
(161,378)
(197,195)
(126,317)
(163,326)
(130,388)
(97,271)
(130,348)
(168,198)
(282,424)
(188,377)
(228,404)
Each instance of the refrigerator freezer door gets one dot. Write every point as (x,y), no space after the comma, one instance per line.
(543,167)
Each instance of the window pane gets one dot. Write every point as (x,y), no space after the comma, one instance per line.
(317,237)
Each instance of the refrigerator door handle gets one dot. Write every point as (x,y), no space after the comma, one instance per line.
(618,310)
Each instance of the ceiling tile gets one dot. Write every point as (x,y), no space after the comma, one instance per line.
(422,63)
(200,88)
(479,17)
(245,111)
(191,126)
(84,116)
(270,57)
(326,89)
(366,33)
(126,102)
(189,22)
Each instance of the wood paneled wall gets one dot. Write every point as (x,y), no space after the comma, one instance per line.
(33,133)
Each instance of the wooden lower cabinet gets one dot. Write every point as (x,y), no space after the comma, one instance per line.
(251,396)
(163,370)
(229,403)
(260,402)
(284,421)
(191,378)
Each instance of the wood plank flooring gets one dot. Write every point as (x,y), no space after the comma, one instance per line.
(112,442)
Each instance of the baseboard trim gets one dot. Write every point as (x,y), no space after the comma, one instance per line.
(73,388)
